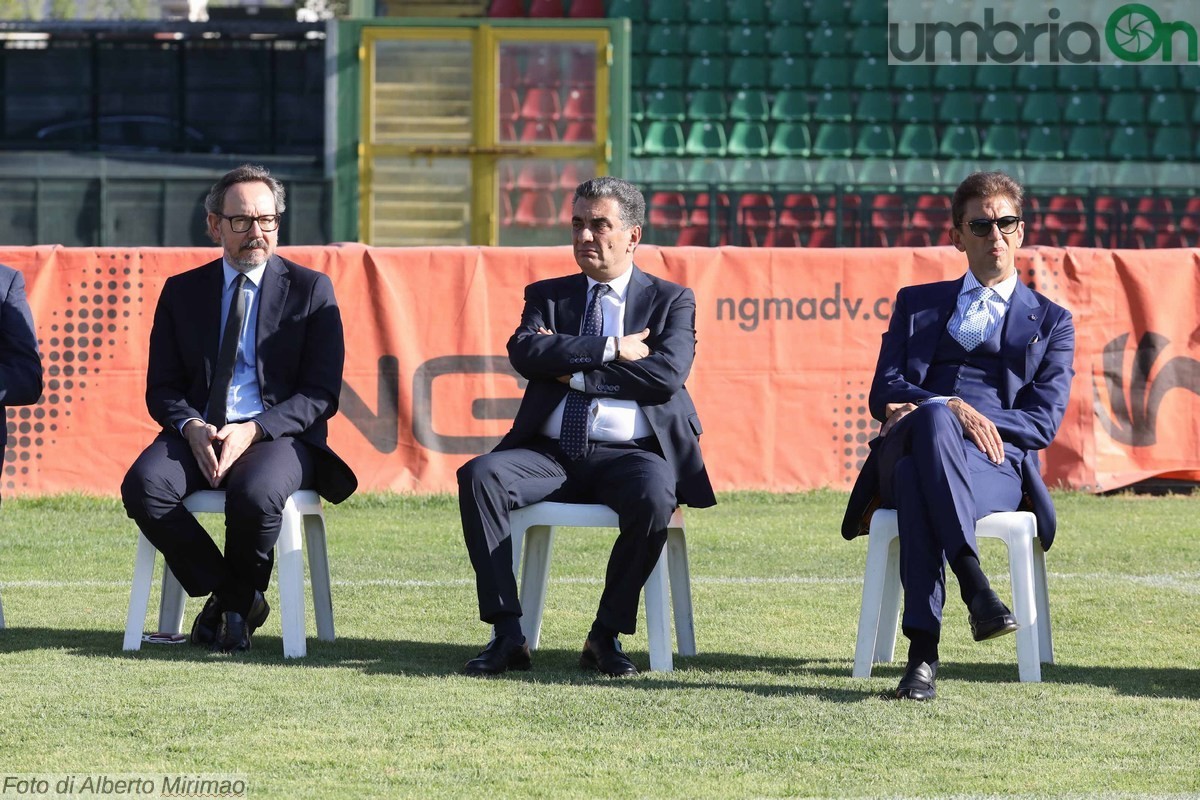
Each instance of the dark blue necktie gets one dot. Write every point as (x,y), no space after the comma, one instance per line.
(573,436)
(218,396)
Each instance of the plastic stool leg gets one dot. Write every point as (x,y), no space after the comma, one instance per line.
(889,610)
(171,603)
(869,618)
(681,591)
(658,624)
(139,594)
(291,583)
(1020,564)
(1041,590)
(539,541)
(318,573)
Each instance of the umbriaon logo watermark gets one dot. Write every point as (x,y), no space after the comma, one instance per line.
(1038,32)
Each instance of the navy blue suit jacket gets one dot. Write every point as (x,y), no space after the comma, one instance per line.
(1038,347)
(300,355)
(20,364)
(656,382)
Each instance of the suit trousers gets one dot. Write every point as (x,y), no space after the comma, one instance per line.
(256,489)
(632,478)
(940,483)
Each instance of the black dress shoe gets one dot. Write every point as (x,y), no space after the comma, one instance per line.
(234,634)
(258,612)
(606,656)
(502,654)
(204,629)
(917,682)
(989,617)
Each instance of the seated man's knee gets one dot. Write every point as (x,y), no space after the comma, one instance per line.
(146,494)
(935,418)
(475,472)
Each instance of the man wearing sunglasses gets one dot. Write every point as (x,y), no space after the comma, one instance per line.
(972,381)
(245,368)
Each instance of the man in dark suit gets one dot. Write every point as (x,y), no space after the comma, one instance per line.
(605,418)
(972,381)
(20,364)
(245,368)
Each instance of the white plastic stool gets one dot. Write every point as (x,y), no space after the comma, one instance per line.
(532,530)
(1,616)
(880,614)
(302,511)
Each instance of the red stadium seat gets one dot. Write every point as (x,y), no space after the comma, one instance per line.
(538,175)
(932,215)
(580,104)
(536,209)
(702,211)
(698,237)
(887,213)
(587,9)
(506,8)
(756,216)
(583,130)
(1171,239)
(875,237)
(827,237)
(506,210)
(539,132)
(507,175)
(914,237)
(1189,219)
(668,210)
(510,104)
(1065,212)
(566,209)
(546,8)
(800,211)
(782,237)
(1154,215)
(542,68)
(541,104)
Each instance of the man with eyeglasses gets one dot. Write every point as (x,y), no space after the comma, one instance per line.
(972,381)
(245,369)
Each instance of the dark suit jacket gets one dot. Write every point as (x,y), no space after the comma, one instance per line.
(20,365)
(300,357)
(1038,343)
(655,382)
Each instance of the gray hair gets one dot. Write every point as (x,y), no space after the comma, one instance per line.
(629,199)
(214,203)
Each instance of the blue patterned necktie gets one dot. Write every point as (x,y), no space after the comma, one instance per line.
(975,321)
(573,436)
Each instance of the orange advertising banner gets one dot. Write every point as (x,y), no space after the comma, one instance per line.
(787,341)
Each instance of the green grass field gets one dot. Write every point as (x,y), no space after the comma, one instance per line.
(767,709)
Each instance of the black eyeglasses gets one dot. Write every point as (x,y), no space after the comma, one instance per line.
(266,223)
(983,227)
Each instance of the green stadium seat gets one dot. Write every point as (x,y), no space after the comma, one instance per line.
(1034,78)
(868,12)
(874,106)
(875,141)
(833,107)
(830,40)
(791,14)
(1129,143)
(1045,142)
(633,9)
(920,175)
(787,72)
(663,139)
(871,73)
(665,173)
(747,72)
(636,146)
(1000,107)
(1088,143)
(637,106)
(791,140)
(748,12)
(958,108)
(916,107)
(994,77)
(1001,141)
(665,104)
(877,174)
(1075,77)
(706,171)
(831,73)
(1160,77)
(706,40)
(750,104)
(1125,108)
(912,76)
(707,72)
(1167,108)
(664,72)
(748,40)
(666,11)
(1042,109)
(708,104)
(1118,77)
(953,77)
(1082,108)
(834,171)
(834,140)
(752,174)
(959,141)
(1189,80)
(788,41)
(748,139)
(834,12)
(665,40)
(869,42)
(707,12)
(706,139)
(918,140)
(1172,144)
(791,105)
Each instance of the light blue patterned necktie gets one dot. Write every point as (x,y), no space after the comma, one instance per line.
(573,435)
(975,321)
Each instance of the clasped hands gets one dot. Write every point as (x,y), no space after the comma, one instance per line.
(234,438)
(976,427)
(629,348)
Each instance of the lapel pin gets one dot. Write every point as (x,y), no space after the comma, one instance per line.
(1032,317)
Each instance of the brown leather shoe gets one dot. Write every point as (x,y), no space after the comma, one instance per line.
(502,654)
(606,656)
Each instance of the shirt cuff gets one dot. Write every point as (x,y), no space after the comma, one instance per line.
(180,426)
(939,400)
(610,349)
(577,382)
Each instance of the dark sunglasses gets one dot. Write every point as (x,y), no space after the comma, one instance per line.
(982,227)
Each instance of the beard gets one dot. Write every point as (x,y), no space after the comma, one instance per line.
(251,254)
